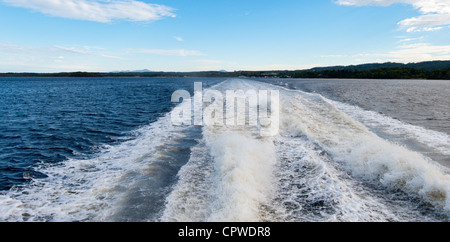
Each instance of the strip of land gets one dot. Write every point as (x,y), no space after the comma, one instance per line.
(424,70)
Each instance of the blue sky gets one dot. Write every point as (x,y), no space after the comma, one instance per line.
(199,35)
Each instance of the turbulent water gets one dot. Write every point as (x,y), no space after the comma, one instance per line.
(327,160)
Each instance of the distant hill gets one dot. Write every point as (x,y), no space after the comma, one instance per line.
(428,65)
(389,70)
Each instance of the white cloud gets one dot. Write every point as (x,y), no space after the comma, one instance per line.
(332,56)
(59,58)
(404,39)
(435,13)
(415,52)
(16,57)
(178,38)
(20,58)
(366,2)
(86,50)
(97,10)
(420,52)
(169,52)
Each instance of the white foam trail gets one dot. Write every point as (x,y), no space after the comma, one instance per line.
(243,165)
(319,168)
(191,197)
(243,181)
(433,139)
(89,190)
(362,152)
(311,188)
(236,177)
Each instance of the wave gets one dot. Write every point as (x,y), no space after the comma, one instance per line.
(327,163)
(312,187)
(323,166)
(434,140)
(91,189)
(232,188)
(229,175)
(361,151)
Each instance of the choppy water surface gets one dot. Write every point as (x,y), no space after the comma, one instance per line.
(106,150)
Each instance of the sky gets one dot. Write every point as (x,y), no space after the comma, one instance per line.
(202,35)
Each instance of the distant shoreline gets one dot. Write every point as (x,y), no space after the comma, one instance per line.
(383,73)
(431,70)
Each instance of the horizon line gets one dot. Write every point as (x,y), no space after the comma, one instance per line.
(222,70)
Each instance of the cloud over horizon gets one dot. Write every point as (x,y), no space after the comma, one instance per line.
(167,52)
(103,11)
(435,13)
(404,53)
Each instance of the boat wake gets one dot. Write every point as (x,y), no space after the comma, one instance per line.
(327,161)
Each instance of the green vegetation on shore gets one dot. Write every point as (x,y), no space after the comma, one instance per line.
(423,70)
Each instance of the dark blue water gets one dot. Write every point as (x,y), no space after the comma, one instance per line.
(53,119)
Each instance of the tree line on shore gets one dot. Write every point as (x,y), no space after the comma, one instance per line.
(424,70)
